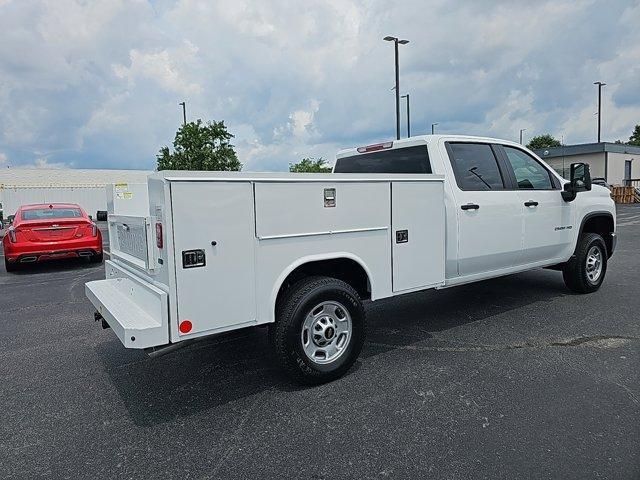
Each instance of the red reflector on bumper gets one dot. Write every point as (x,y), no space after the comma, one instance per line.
(185,326)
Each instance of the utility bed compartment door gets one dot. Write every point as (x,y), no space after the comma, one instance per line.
(213,234)
(418,219)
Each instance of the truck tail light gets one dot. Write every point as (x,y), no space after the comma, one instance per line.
(12,234)
(159,242)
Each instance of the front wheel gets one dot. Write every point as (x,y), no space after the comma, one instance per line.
(584,273)
(319,330)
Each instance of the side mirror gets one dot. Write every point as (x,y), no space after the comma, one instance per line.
(580,181)
(10,219)
(90,217)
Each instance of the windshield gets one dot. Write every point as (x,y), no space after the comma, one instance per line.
(51,213)
(400,160)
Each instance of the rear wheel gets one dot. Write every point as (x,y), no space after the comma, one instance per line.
(10,266)
(319,330)
(585,272)
(97,258)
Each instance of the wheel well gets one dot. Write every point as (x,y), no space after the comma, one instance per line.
(603,226)
(345,269)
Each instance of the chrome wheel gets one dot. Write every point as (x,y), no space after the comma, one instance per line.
(594,264)
(326,332)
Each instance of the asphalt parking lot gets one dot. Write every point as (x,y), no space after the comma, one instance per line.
(508,378)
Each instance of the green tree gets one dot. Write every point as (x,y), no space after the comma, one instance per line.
(310,165)
(543,141)
(200,146)
(634,139)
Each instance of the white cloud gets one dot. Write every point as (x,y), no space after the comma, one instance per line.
(45,164)
(98,83)
(3,158)
(164,67)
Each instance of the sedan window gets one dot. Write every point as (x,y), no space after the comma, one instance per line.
(51,213)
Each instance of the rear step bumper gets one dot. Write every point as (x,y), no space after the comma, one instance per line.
(136,310)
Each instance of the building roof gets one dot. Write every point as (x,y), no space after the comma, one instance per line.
(584,148)
(68,177)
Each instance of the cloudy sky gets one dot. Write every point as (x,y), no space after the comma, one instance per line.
(96,84)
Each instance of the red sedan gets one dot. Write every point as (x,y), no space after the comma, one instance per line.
(51,231)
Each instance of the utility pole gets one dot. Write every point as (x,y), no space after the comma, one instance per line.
(408,116)
(600,85)
(397,42)
(521,130)
(184,112)
(433,128)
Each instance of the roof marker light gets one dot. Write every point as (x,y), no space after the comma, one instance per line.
(375,147)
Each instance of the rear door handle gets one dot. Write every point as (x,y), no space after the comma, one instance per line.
(530,203)
(470,206)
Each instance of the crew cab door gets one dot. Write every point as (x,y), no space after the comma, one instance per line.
(489,215)
(547,218)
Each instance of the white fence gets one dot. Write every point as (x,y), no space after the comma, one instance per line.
(90,197)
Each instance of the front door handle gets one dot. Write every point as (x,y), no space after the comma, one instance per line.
(530,203)
(470,206)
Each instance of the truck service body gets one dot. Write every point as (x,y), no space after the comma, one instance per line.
(219,251)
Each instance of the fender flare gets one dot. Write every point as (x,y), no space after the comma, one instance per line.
(597,213)
(308,259)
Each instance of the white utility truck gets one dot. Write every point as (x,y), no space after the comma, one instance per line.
(301,252)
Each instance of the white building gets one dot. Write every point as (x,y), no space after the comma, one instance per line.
(615,162)
(22,186)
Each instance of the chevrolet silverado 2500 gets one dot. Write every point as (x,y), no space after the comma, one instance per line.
(300,252)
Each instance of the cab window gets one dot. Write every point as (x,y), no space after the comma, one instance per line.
(475,166)
(399,160)
(530,174)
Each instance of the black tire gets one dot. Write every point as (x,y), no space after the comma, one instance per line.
(575,274)
(10,266)
(97,258)
(286,333)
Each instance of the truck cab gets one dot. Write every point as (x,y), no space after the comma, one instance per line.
(505,210)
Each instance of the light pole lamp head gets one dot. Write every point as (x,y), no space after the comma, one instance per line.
(599,83)
(390,39)
(403,42)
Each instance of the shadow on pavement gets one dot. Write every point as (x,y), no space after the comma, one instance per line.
(231,366)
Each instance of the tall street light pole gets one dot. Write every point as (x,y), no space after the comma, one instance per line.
(184,112)
(397,42)
(433,128)
(600,85)
(521,130)
(408,116)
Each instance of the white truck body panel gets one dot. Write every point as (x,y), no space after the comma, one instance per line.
(125,198)
(221,293)
(407,232)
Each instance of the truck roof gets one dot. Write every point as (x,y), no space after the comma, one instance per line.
(423,140)
(187,175)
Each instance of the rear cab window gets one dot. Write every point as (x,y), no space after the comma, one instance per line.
(475,166)
(400,160)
